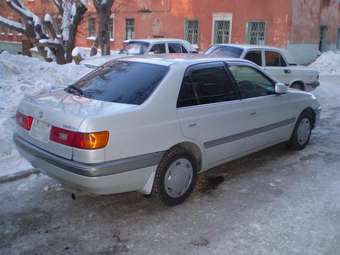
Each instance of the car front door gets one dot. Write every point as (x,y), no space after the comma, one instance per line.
(211,113)
(277,66)
(272,116)
(254,56)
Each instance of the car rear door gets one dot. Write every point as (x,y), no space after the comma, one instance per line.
(272,116)
(211,112)
(276,65)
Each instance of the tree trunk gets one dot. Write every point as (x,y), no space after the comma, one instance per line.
(104,10)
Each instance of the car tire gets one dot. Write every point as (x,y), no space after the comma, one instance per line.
(298,85)
(175,178)
(302,131)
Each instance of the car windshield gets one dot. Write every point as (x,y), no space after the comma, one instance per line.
(135,48)
(120,82)
(224,51)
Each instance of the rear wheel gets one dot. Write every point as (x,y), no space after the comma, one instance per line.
(175,177)
(298,85)
(302,132)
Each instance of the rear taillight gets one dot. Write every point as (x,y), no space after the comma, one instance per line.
(87,141)
(24,121)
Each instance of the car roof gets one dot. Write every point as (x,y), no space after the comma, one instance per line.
(153,40)
(186,59)
(251,46)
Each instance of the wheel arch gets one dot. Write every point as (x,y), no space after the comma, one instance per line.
(311,111)
(193,149)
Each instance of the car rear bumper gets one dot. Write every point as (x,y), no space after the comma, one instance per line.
(116,176)
(312,86)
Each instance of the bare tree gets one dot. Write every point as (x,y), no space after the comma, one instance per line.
(104,10)
(44,34)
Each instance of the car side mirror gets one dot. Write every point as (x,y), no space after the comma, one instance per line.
(280,88)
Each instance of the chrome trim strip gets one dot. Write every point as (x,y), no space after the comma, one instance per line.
(90,170)
(245,134)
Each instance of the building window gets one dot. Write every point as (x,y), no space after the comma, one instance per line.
(111,28)
(256,33)
(92,27)
(129,29)
(221,28)
(191,31)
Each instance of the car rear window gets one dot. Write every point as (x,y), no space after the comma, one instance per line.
(124,82)
(224,51)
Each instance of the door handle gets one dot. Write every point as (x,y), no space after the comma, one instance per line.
(192,125)
(288,71)
(252,113)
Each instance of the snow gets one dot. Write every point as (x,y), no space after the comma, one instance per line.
(21,75)
(48,18)
(328,63)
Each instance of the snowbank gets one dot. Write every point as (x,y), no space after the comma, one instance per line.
(328,63)
(20,75)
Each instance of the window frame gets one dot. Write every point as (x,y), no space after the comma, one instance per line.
(89,34)
(112,31)
(129,26)
(264,32)
(277,52)
(222,17)
(191,31)
(258,71)
(228,73)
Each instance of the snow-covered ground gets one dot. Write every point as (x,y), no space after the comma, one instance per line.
(328,63)
(20,75)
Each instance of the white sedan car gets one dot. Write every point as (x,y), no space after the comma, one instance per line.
(152,124)
(274,61)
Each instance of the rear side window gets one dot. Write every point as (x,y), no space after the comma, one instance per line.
(255,57)
(121,82)
(206,84)
(274,59)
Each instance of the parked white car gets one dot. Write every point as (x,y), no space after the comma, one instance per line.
(152,124)
(138,47)
(273,60)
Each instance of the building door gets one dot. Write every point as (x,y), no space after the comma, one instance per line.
(338,40)
(221,30)
(323,38)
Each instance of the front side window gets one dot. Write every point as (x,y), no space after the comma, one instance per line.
(191,31)
(224,51)
(175,48)
(92,27)
(129,29)
(274,59)
(123,82)
(135,48)
(255,57)
(256,33)
(158,48)
(206,84)
(251,82)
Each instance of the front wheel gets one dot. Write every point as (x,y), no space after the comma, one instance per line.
(302,132)
(175,177)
